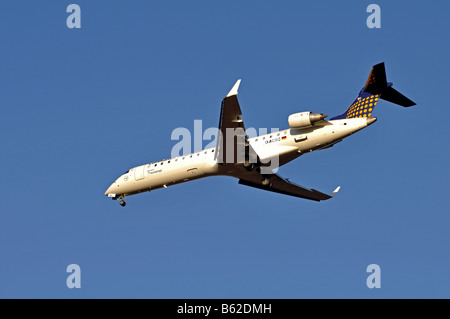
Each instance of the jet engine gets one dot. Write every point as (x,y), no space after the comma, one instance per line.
(304,119)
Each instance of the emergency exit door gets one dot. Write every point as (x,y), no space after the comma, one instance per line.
(139,173)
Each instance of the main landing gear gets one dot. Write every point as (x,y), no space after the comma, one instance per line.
(122,203)
(266,182)
(248,166)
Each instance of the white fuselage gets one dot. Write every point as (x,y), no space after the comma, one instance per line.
(284,145)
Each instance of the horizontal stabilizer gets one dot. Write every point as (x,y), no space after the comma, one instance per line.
(392,95)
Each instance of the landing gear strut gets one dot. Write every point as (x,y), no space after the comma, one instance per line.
(122,201)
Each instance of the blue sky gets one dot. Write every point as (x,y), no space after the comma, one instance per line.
(80,107)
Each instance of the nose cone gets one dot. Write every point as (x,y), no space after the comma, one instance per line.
(370,120)
(109,190)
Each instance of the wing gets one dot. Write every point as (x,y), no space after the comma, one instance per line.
(283,186)
(232,142)
(233,148)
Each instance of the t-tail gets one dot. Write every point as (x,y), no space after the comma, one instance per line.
(376,88)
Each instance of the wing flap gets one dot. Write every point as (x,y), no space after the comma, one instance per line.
(284,186)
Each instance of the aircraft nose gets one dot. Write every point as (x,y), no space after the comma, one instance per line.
(109,190)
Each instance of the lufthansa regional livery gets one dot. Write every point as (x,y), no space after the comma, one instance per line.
(253,160)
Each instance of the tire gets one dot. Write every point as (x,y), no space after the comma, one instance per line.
(248,166)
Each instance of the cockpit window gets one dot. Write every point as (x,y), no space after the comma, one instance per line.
(126,172)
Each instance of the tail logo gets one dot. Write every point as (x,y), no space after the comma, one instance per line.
(362,107)
(376,88)
(370,80)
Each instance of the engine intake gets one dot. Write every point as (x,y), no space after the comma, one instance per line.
(304,119)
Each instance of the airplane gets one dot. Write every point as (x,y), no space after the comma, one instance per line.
(253,160)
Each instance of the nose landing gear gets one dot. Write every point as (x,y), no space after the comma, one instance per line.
(122,201)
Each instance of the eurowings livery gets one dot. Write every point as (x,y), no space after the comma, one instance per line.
(253,160)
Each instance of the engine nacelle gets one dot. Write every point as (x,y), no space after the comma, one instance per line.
(304,119)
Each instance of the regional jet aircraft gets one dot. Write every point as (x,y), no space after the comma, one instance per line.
(252,160)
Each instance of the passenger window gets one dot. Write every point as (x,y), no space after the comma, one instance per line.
(168,162)
(212,151)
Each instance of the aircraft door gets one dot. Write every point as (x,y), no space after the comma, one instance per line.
(139,173)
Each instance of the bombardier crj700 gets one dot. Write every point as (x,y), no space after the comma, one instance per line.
(252,160)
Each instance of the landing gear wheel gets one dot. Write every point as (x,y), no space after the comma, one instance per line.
(266,182)
(122,203)
(248,166)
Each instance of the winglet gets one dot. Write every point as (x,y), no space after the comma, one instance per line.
(234,90)
(335,191)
